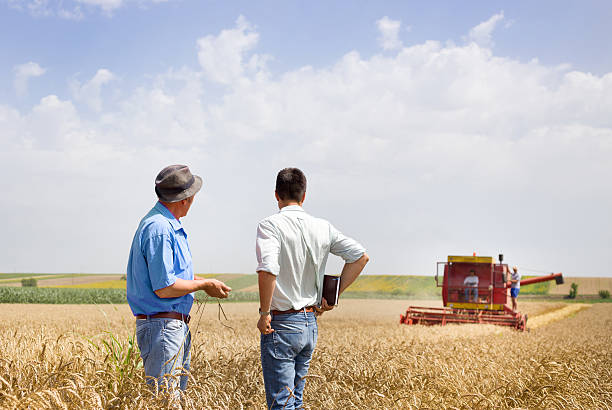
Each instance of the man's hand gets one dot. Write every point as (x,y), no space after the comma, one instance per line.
(324,307)
(215,288)
(182,287)
(264,325)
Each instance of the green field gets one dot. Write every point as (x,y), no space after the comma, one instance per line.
(61,296)
(395,285)
(92,296)
(110,288)
(541,288)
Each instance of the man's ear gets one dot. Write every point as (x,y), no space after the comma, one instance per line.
(276,195)
(303,197)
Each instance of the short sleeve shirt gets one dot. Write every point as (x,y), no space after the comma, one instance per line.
(159,254)
(294,246)
(517,277)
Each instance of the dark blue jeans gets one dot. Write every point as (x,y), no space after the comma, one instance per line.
(285,358)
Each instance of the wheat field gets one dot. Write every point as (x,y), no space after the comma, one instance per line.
(69,357)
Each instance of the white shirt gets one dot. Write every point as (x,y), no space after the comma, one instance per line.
(517,277)
(471,281)
(294,247)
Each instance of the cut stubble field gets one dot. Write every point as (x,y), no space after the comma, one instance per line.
(60,356)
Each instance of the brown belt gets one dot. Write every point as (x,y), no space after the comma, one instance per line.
(307,309)
(167,315)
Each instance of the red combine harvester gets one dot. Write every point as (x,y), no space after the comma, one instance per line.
(462,304)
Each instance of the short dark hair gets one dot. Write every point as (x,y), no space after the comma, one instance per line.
(291,184)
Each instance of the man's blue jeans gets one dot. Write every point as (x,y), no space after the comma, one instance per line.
(473,291)
(285,358)
(165,350)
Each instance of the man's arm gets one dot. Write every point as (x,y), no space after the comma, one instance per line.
(267,283)
(351,271)
(349,250)
(182,287)
(267,249)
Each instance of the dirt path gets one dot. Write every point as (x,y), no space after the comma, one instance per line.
(46,281)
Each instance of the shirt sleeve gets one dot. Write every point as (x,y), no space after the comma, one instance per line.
(267,247)
(340,245)
(160,261)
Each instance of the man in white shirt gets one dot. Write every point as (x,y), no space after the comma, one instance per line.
(471,286)
(515,286)
(292,249)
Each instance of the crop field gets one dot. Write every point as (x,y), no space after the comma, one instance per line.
(365,287)
(58,280)
(586,286)
(80,356)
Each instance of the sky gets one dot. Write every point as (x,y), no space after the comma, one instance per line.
(425,129)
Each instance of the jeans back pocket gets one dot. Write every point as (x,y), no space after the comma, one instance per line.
(288,339)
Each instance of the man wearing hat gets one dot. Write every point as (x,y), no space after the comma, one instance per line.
(160,279)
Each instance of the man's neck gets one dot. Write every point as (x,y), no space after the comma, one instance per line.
(282,204)
(171,206)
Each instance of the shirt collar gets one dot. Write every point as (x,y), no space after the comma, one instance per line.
(176,224)
(292,208)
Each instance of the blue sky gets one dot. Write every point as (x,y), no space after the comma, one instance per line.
(135,40)
(426,128)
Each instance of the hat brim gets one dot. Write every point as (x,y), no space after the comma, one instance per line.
(191,191)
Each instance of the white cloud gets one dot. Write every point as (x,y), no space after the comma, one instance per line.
(90,92)
(74,9)
(23,73)
(432,150)
(106,5)
(481,34)
(223,57)
(389,33)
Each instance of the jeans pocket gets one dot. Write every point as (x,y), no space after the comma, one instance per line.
(143,338)
(173,325)
(287,338)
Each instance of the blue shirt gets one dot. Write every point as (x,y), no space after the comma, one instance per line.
(159,255)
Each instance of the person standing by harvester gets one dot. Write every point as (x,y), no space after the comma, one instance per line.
(160,280)
(292,249)
(515,286)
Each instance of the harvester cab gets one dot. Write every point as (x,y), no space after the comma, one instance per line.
(475,289)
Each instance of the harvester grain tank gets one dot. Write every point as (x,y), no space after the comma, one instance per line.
(489,305)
